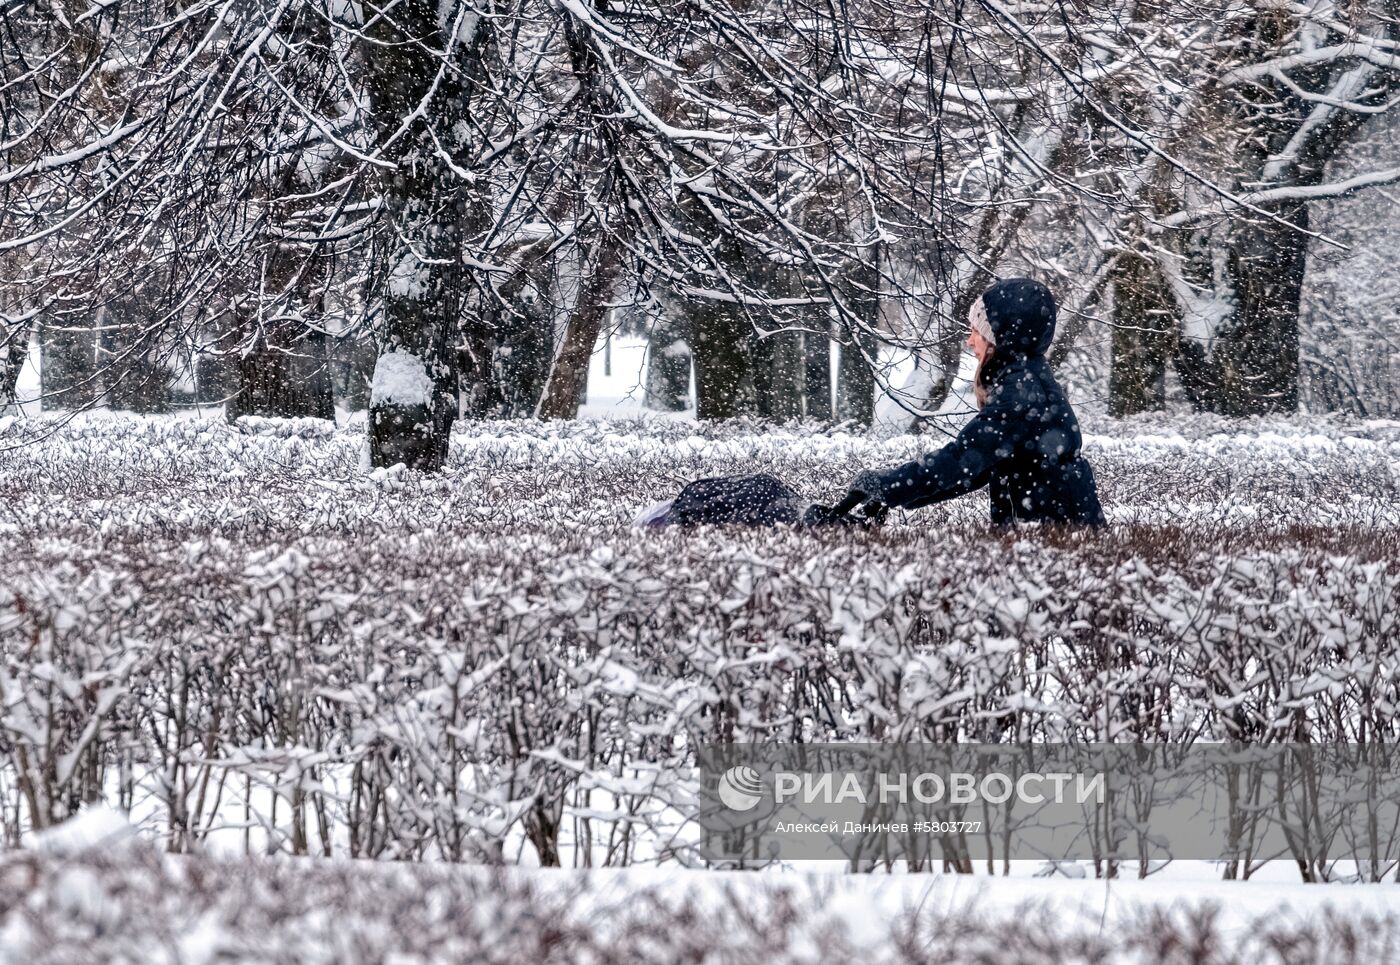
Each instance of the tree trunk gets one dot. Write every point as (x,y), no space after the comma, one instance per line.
(780,366)
(779,375)
(216,379)
(519,340)
(1145,331)
(1251,365)
(287,374)
(524,356)
(14,350)
(410,421)
(1254,362)
(668,371)
(816,371)
(131,374)
(855,391)
(352,371)
(414,399)
(996,233)
(569,375)
(68,368)
(855,386)
(723,365)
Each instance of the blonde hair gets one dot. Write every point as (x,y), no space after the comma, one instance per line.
(977,318)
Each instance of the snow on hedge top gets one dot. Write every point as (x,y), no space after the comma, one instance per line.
(112,472)
(400,378)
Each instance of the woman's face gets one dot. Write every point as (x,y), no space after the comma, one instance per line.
(979,345)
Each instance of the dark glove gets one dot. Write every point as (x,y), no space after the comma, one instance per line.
(866,490)
(870,484)
(818,516)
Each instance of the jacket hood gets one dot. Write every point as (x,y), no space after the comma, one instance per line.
(1021,313)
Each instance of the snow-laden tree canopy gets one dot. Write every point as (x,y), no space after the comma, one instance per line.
(253,177)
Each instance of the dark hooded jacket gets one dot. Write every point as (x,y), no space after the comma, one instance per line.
(1024,443)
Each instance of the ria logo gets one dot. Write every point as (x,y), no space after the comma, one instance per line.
(740,788)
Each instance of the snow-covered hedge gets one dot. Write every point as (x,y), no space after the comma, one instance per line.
(238,631)
(121,901)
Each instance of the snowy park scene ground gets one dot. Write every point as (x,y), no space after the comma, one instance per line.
(715,481)
(199,631)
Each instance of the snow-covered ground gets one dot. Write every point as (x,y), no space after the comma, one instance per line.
(27,391)
(92,893)
(617,381)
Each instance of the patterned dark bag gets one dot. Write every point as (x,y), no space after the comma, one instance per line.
(757,500)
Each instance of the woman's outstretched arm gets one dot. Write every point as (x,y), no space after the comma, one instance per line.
(961,466)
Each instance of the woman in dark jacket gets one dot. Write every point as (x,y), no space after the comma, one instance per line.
(1025,441)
